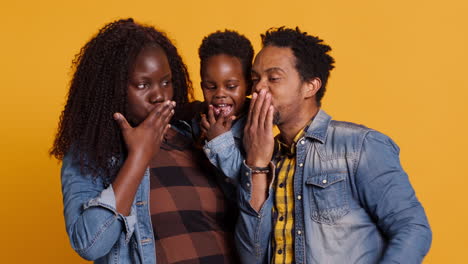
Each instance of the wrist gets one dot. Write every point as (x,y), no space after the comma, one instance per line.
(259,170)
(139,155)
(256,163)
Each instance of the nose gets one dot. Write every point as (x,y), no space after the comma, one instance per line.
(156,96)
(261,84)
(220,93)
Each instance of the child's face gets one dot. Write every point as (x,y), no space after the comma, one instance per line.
(224,85)
(150,83)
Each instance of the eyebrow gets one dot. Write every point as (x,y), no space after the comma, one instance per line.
(269,70)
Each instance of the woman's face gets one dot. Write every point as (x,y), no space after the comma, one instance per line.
(224,85)
(150,83)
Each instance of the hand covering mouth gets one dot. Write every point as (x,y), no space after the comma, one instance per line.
(224,109)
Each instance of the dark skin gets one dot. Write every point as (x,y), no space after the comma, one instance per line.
(150,110)
(224,89)
(280,97)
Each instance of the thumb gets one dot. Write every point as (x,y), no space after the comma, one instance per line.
(121,121)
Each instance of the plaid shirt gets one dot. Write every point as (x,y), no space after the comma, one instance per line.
(283,207)
(190,215)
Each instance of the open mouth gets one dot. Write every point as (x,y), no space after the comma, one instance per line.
(222,109)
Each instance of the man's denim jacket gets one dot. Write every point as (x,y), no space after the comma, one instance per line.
(95,228)
(353,201)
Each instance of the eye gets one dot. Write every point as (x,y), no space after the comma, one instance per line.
(255,79)
(142,85)
(274,79)
(166,83)
(208,86)
(232,86)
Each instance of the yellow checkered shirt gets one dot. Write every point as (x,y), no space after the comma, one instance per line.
(283,208)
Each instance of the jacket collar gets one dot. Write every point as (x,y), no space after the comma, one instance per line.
(319,126)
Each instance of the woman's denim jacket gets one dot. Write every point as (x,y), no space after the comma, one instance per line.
(95,228)
(353,201)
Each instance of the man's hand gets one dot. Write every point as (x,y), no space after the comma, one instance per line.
(258,131)
(145,139)
(212,127)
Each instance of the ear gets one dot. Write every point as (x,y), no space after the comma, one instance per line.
(311,87)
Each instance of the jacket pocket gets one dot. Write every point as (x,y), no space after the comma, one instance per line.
(328,196)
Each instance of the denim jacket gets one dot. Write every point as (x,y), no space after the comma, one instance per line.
(225,151)
(354,203)
(96,230)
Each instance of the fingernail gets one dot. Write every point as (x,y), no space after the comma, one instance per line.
(254,95)
(262,91)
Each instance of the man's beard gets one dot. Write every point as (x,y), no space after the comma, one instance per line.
(276,118)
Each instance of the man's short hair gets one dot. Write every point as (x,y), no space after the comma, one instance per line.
(312,58)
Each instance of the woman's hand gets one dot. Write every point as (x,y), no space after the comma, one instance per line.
(143,143)
(144,140)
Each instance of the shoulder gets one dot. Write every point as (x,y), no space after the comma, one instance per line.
(360,134)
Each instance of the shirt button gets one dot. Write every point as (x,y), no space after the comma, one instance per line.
(281,218)
(299,197)
(247,184)
(302,142)
(280,251)
(302,164)
(299,232)
(281,185)
(246,174)
(324,181)
(207,151)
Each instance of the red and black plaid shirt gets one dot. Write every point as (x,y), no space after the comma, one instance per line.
(192,220)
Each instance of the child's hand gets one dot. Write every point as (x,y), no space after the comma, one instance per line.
(211,127)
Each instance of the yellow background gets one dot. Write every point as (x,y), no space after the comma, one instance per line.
(400,69)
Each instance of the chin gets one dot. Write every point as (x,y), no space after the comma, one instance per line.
(276,118)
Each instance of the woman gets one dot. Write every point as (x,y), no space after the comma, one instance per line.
(132,190)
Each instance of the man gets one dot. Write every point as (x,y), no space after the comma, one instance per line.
(335,192)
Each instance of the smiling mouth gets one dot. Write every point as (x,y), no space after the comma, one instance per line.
(222,109)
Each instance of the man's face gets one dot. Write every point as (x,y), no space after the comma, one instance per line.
(274,70)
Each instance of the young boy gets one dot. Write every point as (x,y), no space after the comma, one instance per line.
(225,68)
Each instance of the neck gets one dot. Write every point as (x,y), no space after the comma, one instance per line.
(290,128)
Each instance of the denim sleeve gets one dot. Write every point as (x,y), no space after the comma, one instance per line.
(253,230)
(387,194)
(225,154)
(92,222)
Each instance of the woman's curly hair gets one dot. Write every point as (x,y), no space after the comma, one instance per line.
(98,89)
(228,42)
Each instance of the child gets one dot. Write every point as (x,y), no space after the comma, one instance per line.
(225,66)
(136,191)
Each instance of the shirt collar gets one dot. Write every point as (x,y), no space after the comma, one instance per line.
(319,126)
(284,149)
